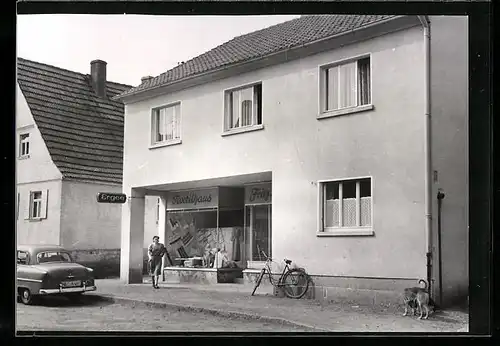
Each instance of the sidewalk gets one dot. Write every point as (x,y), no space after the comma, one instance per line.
(235,301)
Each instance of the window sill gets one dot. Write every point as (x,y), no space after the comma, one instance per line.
(24,157)
(345,111)
(165,144)
(341,232)
(243,129)
(38,219)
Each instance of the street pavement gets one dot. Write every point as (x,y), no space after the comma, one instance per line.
(96,314)
(224,307)
(234,301)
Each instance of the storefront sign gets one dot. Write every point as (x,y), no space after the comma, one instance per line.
(258,194)
(109,197)
(195,199)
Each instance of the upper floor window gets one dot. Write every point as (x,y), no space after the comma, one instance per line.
(346,85)
(243,107)
(347,205)
(166,124)
(24,145)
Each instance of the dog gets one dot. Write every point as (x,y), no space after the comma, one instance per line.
(417,298)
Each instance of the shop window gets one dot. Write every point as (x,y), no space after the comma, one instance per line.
(347,205)
(346,85)
(166,125)
(243,107)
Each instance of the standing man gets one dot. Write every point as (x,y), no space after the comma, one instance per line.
(156,251)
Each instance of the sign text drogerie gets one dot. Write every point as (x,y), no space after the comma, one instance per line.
(110,197)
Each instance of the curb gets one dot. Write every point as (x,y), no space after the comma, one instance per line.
(211,311)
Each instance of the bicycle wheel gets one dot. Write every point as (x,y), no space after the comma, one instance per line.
(295,283)
(257,283)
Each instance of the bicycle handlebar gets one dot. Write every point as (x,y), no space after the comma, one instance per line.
(269,258)
(266,257)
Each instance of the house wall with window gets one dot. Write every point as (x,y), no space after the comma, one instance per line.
(381,140)
(38,219)
(449,114)
(38,155)
(38,190)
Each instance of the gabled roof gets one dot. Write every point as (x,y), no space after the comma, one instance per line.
(261,43)
(83,133)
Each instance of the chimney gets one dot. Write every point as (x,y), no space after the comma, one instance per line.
(145,79)
(98,77)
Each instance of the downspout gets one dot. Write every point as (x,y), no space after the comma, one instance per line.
(427,149)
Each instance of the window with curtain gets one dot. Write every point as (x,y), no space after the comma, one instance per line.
(347,204)
(346,85)
(243,107)
(166,125)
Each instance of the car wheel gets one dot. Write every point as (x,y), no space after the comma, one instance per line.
(26,296)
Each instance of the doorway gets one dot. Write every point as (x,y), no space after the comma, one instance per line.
(258,232)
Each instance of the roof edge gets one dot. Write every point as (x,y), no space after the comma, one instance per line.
(88,181)
(129,96)
(66,70)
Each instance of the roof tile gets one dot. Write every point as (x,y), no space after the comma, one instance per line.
(83,133)
(257,44)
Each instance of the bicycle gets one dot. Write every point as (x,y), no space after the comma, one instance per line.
(293,281)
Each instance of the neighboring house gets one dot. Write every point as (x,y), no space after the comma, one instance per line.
(69,148)
(349,122)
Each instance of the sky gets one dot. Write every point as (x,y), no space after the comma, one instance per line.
(133,45)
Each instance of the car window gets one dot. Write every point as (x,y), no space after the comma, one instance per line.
(22,257)
(53,256)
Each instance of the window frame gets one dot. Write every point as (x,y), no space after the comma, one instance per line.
(59,252)
(17,206)
(153,126)
(322,88)
(21,142)
(227,111)
(32,204)
(323,231)
(157,210)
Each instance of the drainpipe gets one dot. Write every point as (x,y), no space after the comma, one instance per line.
(440,197)
(427,148)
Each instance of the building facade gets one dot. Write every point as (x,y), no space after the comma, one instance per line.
(69,148)
(314,146)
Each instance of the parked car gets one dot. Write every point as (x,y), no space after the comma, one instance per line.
(49,270)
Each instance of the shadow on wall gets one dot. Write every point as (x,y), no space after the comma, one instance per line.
(145,268)
(104,262)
